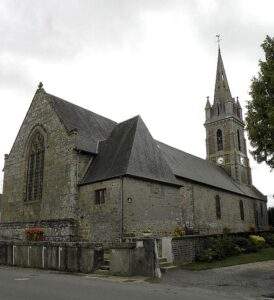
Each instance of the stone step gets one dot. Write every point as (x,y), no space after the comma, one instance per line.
(165,264)
(101,272)
(104,267)
(162,259)
(106,262)
(167,268)
(107,255)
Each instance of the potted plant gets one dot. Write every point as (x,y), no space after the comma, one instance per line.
(34,234)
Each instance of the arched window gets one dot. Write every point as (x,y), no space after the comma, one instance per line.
(219,140)
(242,214)
(218,207)
(35,167)
(239,139)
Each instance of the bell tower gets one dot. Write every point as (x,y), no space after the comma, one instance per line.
(225,140)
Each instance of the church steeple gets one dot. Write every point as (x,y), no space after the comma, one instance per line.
(225,140)
(222,91)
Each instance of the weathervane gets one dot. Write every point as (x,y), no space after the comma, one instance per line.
(218,36)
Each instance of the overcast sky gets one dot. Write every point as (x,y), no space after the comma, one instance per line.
(120,58)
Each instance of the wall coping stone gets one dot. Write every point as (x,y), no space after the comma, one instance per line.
(220,234)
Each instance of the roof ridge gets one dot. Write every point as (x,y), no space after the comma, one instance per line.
(197,157)
(79,107)
(133,140)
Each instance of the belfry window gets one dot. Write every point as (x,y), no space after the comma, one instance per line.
(35,167)
(219,140)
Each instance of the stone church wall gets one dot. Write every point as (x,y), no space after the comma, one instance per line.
(151,205)
(100,222)
(202,199)
(59,184)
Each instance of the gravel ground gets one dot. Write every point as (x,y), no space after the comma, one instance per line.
(252,281)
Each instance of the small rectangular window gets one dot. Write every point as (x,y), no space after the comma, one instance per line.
(100,196)
(218,207)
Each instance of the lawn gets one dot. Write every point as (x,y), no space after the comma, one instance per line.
(264,254)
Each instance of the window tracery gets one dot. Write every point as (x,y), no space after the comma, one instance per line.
(35,167)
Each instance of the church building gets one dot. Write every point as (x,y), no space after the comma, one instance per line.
(82,176)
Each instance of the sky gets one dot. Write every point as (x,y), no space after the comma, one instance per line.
(121,58)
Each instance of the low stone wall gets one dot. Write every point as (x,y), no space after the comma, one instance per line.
(137,259)
(54,230)
(125,258)
(69,257)
(185,249)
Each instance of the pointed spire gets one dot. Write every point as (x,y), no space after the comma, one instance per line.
(207,103)
(222,91)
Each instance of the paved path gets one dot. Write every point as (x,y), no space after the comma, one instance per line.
(248,280)
(29,284)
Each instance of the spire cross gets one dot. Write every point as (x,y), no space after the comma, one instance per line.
(218,36)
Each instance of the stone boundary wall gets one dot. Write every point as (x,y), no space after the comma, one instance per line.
(126,259)
(185,249)
(55,230)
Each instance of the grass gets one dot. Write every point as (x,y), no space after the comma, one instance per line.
(262,255)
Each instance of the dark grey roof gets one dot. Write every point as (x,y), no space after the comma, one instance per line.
(188,166)
(91,127)
(130,150)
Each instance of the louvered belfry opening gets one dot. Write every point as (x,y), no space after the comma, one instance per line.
(35,167)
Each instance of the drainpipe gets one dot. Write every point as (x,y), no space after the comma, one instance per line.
(122,208)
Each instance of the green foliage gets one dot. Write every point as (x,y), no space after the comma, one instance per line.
(178,231)
(245,245)
(226,230)
(218,249)
(262,255)
(269,238)
(260,114)
(257,240)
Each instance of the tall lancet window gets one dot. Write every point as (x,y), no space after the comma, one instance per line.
(35,167)
(239,140)
(219,140)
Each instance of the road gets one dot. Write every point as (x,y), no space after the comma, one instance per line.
(30,284)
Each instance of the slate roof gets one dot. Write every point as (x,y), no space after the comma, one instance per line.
(222,92)
(91,127)
(190,167)
(130,150)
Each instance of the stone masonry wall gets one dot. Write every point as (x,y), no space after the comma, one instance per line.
(54,230)
(205,219)
(100,222)
(150,205)
(60,168)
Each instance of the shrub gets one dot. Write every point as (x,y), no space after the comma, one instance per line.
(219,248)
(258,241)
(269,238)
(207,255)
(178,231)
(245,245)
(226,230)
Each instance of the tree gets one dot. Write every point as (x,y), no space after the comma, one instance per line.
(260,110)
